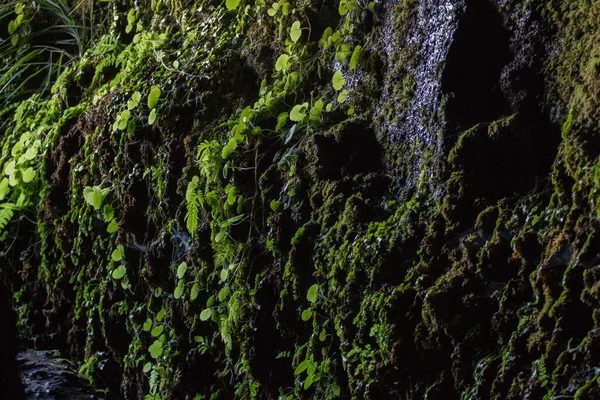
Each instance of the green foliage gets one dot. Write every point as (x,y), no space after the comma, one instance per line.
(232,4)
(194,201)
(295,31)
(153,96)
(338,80)
(94,196)
(312,293)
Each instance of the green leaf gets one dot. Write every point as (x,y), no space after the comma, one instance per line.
(306,314)
(161,315)
(147,325)
(156,332)
(228,148)
(134,101)
(308,382)
(232,4)
(342,52)
(4,188)
(178,290)
(281,121)
(317,110)
(194,291)
(275,204)
(345,6)
(302,367)
(282,62)
(153,96)
(131,16)
(109,212)
(10,168)
(119,272)
(342,96)
(12,27)
(338,80)
(123,119)
(336,390)
(30,153)
(118,253)
(298,113)
(295,31)
(28,175)
(313,291)
(152,117)
(224,274)
(322,336)
(156,349)
(355,56)
(112,226)
(147,367)
(181,269)
(224,294)
(206,314)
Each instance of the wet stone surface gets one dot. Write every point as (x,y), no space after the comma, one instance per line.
(45,376)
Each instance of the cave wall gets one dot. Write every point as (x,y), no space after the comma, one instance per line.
(316,200)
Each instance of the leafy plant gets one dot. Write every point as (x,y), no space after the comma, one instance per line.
(94,196)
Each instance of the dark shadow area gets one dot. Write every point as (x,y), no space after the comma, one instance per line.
(479,52)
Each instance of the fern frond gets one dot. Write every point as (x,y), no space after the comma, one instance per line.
(193,202)
(191,217)
(235,308)
(226,329)
(6,214)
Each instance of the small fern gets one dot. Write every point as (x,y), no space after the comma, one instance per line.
(194,200)
(226,329)
(6,214)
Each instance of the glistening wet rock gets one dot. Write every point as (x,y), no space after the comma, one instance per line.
(46,377)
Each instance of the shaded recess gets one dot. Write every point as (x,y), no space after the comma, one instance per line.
(478,54)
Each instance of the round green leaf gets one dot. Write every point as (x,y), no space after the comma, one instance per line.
(117,254)
(181,269)
(306,314)
(112,226)
(157,331)
(224,274)
(147,325)
(282,62)
(28,175)
(147,367)
(295,31)
(119,272)
(232,4)
(338,80)
(313,291)
(156,349)
(206,314)
(298,113)
(275,204)
(153,97)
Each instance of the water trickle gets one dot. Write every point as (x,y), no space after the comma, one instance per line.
(417,123)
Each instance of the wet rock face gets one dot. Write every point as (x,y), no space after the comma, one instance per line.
(9,379)
(47,377)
